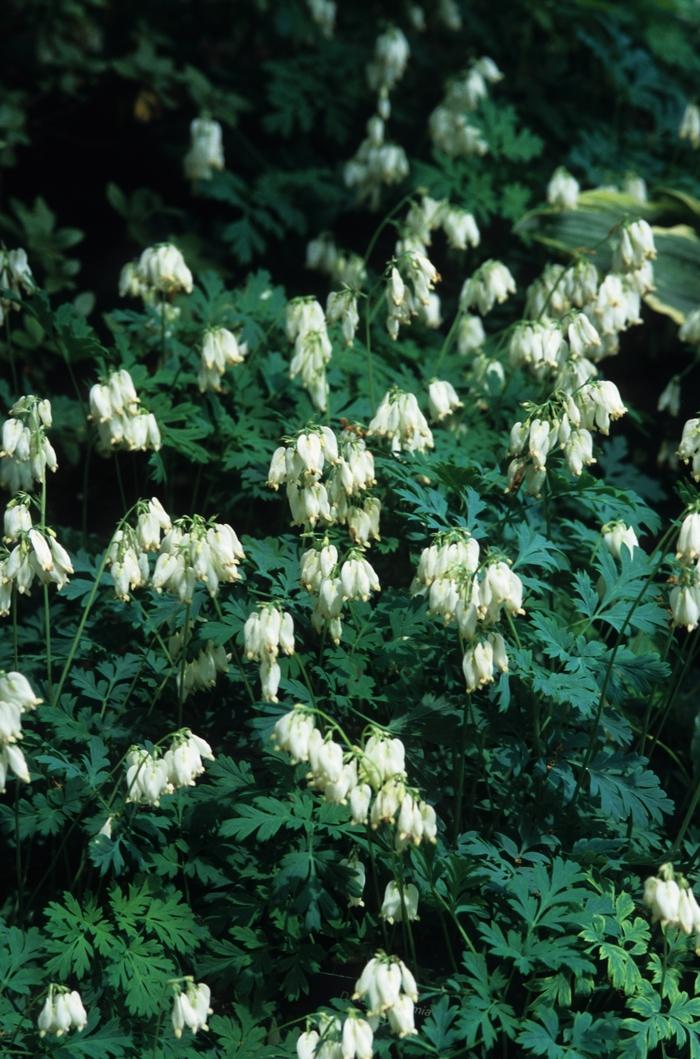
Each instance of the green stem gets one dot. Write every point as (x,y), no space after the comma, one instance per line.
(86,612)
(47,605)
(183,663)
(11,351)
(686,821)
(368,347)
(448,339)
(15,606)
(608,672)
(460,753)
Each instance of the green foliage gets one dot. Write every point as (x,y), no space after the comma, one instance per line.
(560,784)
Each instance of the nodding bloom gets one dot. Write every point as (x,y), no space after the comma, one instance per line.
(491,283)
(617,535)
(62,1011)
(161,269)
(220,350)
(15,276)
(400,420)
(399,902)
(690,125)
(25,451)
(563,189)
(689,448)
(442,399)
(191,1007)
(206,153)
(121,421)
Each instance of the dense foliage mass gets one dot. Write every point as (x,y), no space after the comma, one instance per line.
(349,579)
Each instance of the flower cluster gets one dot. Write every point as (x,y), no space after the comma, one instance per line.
(474,595)
(634,247)
(301,463)
(206,153)
(26,452)
(333,584)
(159,272)
(150,775)
(566,421)
(220,350)
(306,328)
(388,989)
(426,215)
(16,698)
(15,276)
(410,287)
(391,53)
(400,420)
(341,307)
(491,283)
(268,630)
(36,554)
(672,903)
(685,595)
(62,1011)
(370,779)
(200,672)
(121,420)
(346,269)
(195,550)
(376,163)
(191,1006)
(126,555)
(450,128)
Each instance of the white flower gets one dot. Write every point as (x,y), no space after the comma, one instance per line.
(63,1010)
(17,520)
(688,544)
(206,152)
(356,1039)
(341,306)
(689,330)
(292,733)
(578,450)
(685,605)
(358,579)
(460,228)
(689,448)
(306,1045)
(491,283)
(323,13)
(563,189)
(191,1008)
(220,350)
(399,419)
(360,798)
(394,905)
(162,268)
(635,245)
(690,125)
(401,1018)
(618,534)
(442,398)
(391,52)
(670,397)
(470,334)
(584,340)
